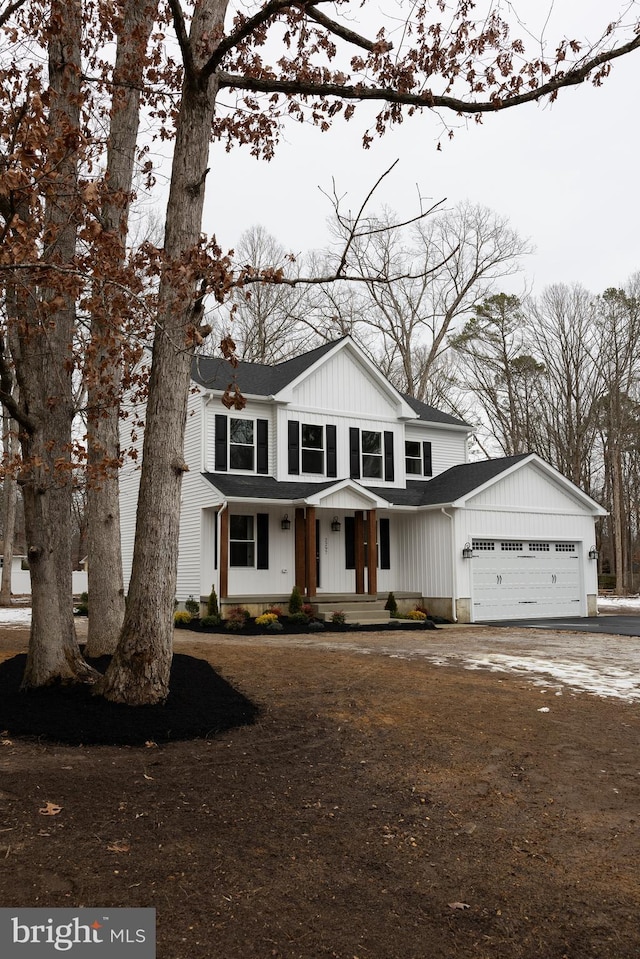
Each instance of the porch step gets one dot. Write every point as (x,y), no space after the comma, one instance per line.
(370,612)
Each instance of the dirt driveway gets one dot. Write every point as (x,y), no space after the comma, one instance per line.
(384,806)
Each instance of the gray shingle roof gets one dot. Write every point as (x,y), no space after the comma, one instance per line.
(430,414)
(254,379)
(445,488)
(262,379)
(263,487)
(461,480)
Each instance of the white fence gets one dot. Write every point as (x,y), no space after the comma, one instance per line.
(21,582)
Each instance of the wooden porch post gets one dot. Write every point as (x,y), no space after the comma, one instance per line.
(358,527)
(300,553)
(372,553)
(310,552)
(224,552)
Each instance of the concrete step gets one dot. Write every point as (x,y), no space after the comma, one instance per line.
(371,612)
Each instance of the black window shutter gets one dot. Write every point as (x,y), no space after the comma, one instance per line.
(262,457)
(427,467)
(294,447)
(332,462)
(354,453)
(262,549)
(349,542)
(221,443)
(388,457)
(385,544)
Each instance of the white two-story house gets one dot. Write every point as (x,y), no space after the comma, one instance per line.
(331,479)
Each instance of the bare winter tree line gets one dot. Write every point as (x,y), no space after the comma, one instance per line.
(557,374)
(82,301)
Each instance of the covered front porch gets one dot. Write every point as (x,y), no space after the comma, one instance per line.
(336,542)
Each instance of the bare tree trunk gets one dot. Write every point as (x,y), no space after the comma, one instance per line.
(9,493)
(105,583)
(139,670)
(43,325)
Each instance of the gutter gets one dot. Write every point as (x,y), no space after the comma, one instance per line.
(454,576)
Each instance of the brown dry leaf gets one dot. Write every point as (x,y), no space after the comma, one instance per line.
(119,847)
(459,905)
(150,744)
(50,809)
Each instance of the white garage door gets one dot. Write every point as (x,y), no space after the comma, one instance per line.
(522,579)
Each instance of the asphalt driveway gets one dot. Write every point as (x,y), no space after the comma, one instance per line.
(612,625)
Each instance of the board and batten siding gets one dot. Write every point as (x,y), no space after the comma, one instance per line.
(528,488)
(422,551)
(341,384)
(280,576)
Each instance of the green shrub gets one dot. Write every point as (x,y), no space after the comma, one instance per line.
(275,627)
(295,601)
(209,622)
(182,618)
(315,626)
(192,605)
(391,605)
(299,618)
(338,617)
(82,608)
(212,603)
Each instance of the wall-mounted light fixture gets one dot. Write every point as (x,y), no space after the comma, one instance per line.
(335,525)
(593,553)
(285,522)
(467,552)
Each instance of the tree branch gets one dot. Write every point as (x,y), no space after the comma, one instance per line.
(426,99)
(9,10)
(241,33)
(339,30)
(183,39)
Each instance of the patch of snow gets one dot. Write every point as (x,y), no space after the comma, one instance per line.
(16,617)
(612,604)
(600,679)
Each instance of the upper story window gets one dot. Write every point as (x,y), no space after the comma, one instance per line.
(413,457)
(312,448)
(371,455)
(417,457)
(241,444)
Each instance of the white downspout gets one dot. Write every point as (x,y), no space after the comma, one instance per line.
(454,568)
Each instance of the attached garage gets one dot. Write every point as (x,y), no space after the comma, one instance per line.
(521,537)
(515,579)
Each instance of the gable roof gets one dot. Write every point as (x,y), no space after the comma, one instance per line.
(447,489)
(263,379)
(257,379)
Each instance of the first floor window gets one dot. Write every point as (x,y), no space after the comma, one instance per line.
(312,449)
(241,444)
(241,540)
(371,454)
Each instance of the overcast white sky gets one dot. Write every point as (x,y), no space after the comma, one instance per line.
(566,175)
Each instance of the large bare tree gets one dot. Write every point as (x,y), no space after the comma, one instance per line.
(272,60)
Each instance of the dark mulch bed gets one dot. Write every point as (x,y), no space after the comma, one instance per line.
(200,704)
(292,628)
